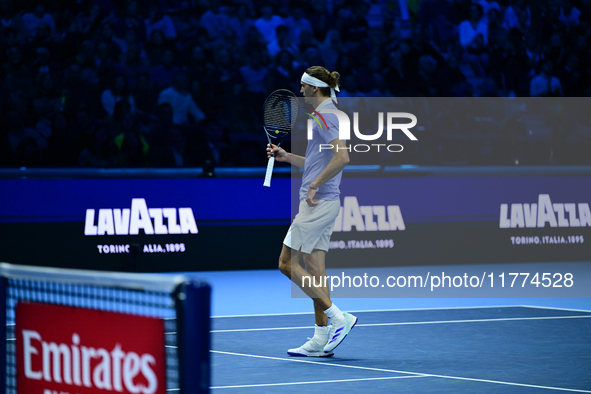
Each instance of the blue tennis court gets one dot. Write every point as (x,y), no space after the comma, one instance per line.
(418,346)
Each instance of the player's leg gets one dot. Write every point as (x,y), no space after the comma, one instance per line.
(311,231)
(289,260)
(340,322)
(289,265)
(315,268)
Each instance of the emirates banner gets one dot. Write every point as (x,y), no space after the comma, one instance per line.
(63,349)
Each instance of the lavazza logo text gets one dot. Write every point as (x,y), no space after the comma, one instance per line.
(532,215)
(368,217)
(345,130)
(129,221)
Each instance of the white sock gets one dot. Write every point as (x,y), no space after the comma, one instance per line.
(320,334)
(334,313)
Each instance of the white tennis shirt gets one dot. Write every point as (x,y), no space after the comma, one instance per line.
(317,160)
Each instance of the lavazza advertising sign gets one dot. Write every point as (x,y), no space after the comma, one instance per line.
(129,221)
(545,214)
(68,350)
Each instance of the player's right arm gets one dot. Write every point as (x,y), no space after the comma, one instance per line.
(283,156)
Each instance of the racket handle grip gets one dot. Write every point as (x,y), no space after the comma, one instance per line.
(269,172)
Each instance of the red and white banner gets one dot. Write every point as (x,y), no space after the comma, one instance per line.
(69,350)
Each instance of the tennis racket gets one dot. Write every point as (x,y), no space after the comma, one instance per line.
(280,112)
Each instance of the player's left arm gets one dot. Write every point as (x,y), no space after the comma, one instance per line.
(339,161)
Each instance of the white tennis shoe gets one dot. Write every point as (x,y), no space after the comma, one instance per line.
(310,349)
(339,330)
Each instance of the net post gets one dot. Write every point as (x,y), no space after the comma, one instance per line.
(3,355)
(193,337)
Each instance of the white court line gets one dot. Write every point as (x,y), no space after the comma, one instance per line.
(404,372)
(415,323)
(382,310)
(297,360)
(316,382)
(558,309)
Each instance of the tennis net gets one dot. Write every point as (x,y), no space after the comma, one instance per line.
(80,331)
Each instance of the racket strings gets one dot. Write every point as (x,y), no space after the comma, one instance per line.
(280,114)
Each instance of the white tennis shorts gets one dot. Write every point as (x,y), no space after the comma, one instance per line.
(312,227)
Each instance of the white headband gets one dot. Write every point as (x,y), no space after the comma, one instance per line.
(310,80)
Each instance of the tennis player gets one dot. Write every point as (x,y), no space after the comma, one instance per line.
(310,232)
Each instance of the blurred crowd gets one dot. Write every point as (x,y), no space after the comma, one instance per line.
(181,83)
